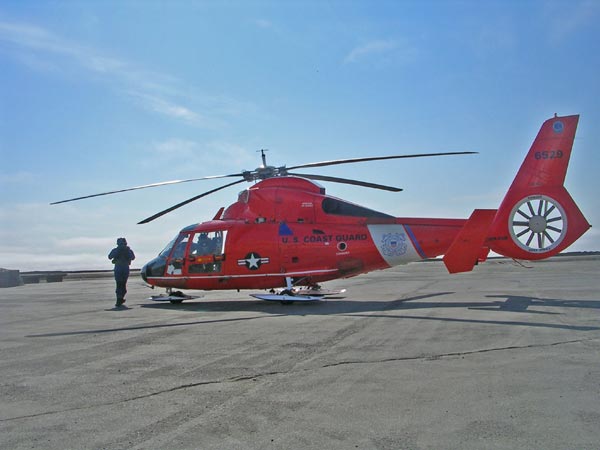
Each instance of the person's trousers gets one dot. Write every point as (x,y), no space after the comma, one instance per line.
(121,276)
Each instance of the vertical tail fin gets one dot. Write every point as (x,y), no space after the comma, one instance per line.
(538,218)
(548,158)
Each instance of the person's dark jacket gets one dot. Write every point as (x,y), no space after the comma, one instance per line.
(121,255)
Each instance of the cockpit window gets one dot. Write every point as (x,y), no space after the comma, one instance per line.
(179,251)
(176,261)
(340,208)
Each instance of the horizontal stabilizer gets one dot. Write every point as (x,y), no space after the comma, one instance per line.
(466,249)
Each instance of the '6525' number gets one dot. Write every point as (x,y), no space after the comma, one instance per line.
(552,154)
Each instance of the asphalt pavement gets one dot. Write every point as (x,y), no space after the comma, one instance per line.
(504,357)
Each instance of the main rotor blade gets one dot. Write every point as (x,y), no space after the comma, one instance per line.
(179,205)
(375,158)
(347,181)
(164,183)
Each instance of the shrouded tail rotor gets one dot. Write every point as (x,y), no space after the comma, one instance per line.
(538,223)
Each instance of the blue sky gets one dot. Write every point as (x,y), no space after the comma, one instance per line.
(96,96)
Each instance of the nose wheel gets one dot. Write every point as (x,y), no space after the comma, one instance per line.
(538,224)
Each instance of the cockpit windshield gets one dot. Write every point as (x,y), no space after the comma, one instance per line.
(168,248)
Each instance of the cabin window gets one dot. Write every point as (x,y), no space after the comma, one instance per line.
(338,207)
(207,252)
(211,243)
(243,196)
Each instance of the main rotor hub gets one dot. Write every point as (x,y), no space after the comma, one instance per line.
(264,172)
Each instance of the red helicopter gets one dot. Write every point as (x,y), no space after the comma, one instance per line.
(285,234)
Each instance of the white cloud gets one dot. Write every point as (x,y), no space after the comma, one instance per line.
(231,154)
(85,242)
(166,107)
(370,48)
(37,48)
(399,50)
(35,38)
(211,158)
(176,148)
(37,64)
(263,23)
(36,236)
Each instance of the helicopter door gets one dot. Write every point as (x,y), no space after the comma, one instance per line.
(207,252)
(176,262)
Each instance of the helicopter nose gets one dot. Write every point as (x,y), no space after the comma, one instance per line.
(154,268)
(143,273)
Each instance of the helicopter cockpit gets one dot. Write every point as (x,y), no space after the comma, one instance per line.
(190,252)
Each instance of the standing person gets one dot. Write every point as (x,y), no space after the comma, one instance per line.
(121,257)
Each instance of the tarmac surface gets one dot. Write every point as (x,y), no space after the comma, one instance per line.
(504,357)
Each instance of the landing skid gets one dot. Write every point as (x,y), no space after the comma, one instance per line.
(291,294)
(174,297)
(319,292)
(287,299)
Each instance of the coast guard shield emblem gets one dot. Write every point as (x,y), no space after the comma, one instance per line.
(393,244)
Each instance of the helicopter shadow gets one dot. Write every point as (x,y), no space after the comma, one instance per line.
(328,306)
(143,327)
(369,308)
(358,308)
(337,304)
(512,303)
(522,303)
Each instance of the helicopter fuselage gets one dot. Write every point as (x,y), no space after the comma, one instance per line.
(285,230)
(288,227)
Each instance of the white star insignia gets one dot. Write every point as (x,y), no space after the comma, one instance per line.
(253,261)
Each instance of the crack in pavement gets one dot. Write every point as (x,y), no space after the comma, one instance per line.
(148,395)
(454,354)
(287,372)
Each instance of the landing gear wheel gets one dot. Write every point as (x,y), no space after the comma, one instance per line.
(177,294)
(287,292)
